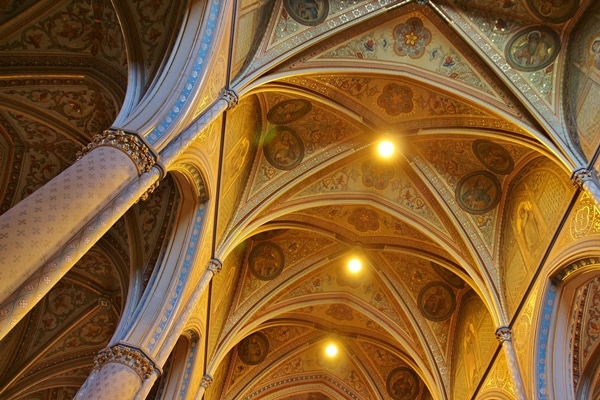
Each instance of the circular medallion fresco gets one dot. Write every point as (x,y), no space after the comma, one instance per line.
(307,12)
(478,192)
(283,148)
(436,301)
(553,10)
(495,157)
(533,48)
(288,111)
(266,261)
(403,384)
(448,276)
(594,53)
(253,349)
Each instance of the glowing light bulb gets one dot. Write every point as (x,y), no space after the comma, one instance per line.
(386,148)
(354,265)
(331,350)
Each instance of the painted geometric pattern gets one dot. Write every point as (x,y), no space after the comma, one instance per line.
(410,39)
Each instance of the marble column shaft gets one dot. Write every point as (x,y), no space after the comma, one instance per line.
(504,336)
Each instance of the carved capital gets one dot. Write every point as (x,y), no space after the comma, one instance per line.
(148,192)
(581,176)
(129,356)
(131,144)
(503,334)
(207,380)
(215,266)
(230,97)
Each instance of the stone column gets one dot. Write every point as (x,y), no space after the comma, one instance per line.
(584,179)
(207,380)
(504,336)
(45,234)
(214,267)
(119,372)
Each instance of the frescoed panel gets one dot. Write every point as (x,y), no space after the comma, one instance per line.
(436,301)
(253,349)
(474,346)
(283,148)
(402,384)
(493,156)
(582,78)
(243,130)
(553,10)
(498,384)
(478,192)
(288,111)
(307,12)
(266,261)
(533,48)
(539,195)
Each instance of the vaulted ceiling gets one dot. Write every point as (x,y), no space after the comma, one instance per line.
(491,105)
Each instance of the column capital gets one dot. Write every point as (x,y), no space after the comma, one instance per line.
(215,265)
(130,143)
(207,380)
(504,334)
(231,97)
(129,356)
(580,176)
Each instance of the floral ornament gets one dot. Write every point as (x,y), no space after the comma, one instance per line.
(341,312)
(376,175)
(364,219)
(411,38)
(396,99)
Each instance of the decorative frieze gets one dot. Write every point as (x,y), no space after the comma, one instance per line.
(129,356)
(131,144)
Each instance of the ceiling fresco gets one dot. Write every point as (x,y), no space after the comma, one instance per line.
(452,230)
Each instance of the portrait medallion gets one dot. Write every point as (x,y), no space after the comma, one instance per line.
(533,48)
(403,384)
(266,261)
(288,111)
(253,349)
(436,301)
(478,192)
(307,12)
(495,157)
(283,148)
